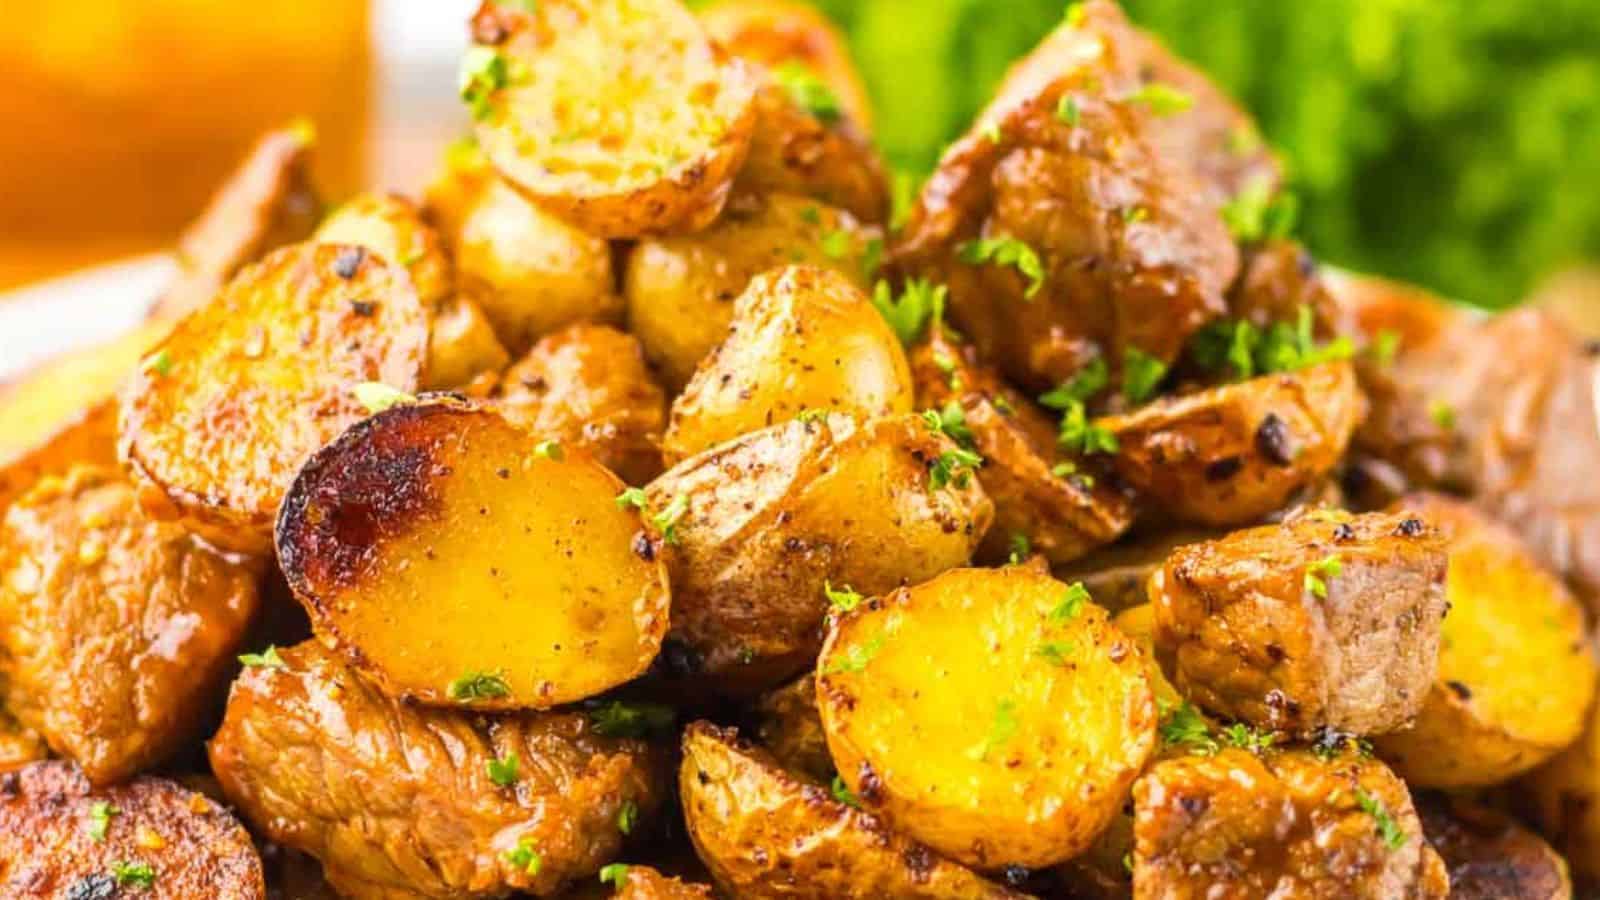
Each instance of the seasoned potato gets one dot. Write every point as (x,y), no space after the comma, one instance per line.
(680,290)
(1516,670)
(419,525)
(1489,855)
(462,345)
(148,838)
(222,413)
(765,833)
(790,728)
(781,34)
(1564,798)
(1118,576)
(644,883)
(399,801)
(764,524)
(1139,624)
(993,714)
(802,339)
(1279,278)
(1286,824)
(1326,621)
(1232,454)
(619,116)
(588,387)
(795,150)
(19,744)
(114,628)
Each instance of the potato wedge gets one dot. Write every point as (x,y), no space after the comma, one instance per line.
(1489,855)
(456,560)
(680,290)
(802,340)
(1516,669)
(783,33)
(790,728)
(619,116)
(799,150)
(222,413)
(764,524)
(148,838)
(765,833)
(1230,455)
(994,714)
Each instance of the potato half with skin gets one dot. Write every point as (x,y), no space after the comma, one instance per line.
(458,561)
(778,33)
(619,116)
(1516,669)
(790,728)
(762,525)
(1118,576)
(1489,855)
(223,412)
(802,339)
(796,150)
(114,629)
(192,846)
(988,713)
(645,883)
(1230,455)
(1563,798)
(765,833)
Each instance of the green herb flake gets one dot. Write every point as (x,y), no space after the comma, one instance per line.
(1393,836)
(1162,99)
(503,770)
(464,155)
(1256,213)
(667,520)
(902,198)
(1067,110)
(872,256)
(843,599)
(484,70)
(614,874)
(1385,346)
(550,449)
(1005,251)
(632,497)
(1071,603)
(1079,435)
(992,132)
(1056,652)
(477,686)
(843,794)
(100,813)
(856,657)
(160,364)
(627,817)
(1246,738)
(1075,15)
(1184,727)
(1021,547)
(1001,730)
(919,304)
(266,659)
(950,422)
(836,244)
(133,874)
(1088,381)
(376,396)
(1141,374)
(1442,414)
(524,857)
(811,215)
(1134,214)
(953,467)
(631,720)
(809,92)
(1318,573)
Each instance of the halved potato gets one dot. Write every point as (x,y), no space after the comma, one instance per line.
(780,33)
(457,560)
(1118,575)
(994,714)
(796,151)
(620,116)
(19,744)
(644,883)
(222,413)
(1139,623)
(1516,670)
(1564,798)
(1489,855)
(790,728)
(802,339)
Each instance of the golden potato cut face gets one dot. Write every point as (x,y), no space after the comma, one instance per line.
(461,562)
(222,413)
(995,715)
(620,116)
(391,227)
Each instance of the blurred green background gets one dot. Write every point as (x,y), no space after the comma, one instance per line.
(1454,143)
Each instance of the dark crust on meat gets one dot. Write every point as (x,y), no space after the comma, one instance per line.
(1489,855)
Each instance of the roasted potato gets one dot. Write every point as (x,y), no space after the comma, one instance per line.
(114,629)
(765,833)
(780,34)
(397,800)
(619,116)
(764,525)
(993,714)
(19,744)
(1286,824)
(1118,576)
(790,728)
(1516,669)
(1231,455)
(148,838)
(680,290)
(804,151)
(1139,624)
(1489,855)
(222,413)
(1326,621)
(803,339)
(1563,796)
(1278,279)
(421,524)
(588,386)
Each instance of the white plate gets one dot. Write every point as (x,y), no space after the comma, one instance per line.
(78,310)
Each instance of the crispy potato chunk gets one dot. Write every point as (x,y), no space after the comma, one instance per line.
(456,560)
(1489,855)
(588,387)
(19,744)
(1284,825)
(1118,576)
(764,524)
(680,290)
(398,800)
(1326,621)
(114,629)
(619,116)
(989,713)
(222,413)
(1516,670)
(645,883)
(1231,455)
(148,838)
(462,346)
(782,33)
(790,728)
(798,151)
(766,833)
(803,339)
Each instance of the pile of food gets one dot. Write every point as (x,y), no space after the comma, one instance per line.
(664,506)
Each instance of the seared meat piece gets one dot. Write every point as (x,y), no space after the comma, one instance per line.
(115,630)
(148,838)
(1237,827)
(645,883)
(1278,279)
(399,801)
(1117,576)
(1324,621)
(1489,855)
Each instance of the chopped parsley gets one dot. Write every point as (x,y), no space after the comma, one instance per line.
(1005,251)
(856,657)
(667,519)
(630,720)
(872,256)
(1075,15)
(1071,603)
(1081,436)
(1000,730)
(950,422)
(159,364)
(1021,547)
(1238,345)
(811,416)
(1088,381)
(525,857)
(811,215)
(1133,214)
(1067,110)
(992,132)
(550,449)
(809,92)
(377,396)
(100,813)
(627,817)
(835,244)
(1162,99)
(1246,738)
(1255,214)
(919,304)
(1442,414)
(266,659)
(1056,652)
(1393,836)
(1318,573)
(484,70)
(843,599)
(1384,347)
(952,467)
(503,770)
(843,794)
(614,874)
(1183,726)
(133,874)
(477,686)
(633,497)
(463,154)
(902,197)
(1141,374)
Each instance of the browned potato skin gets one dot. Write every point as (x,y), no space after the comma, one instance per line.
(802,339)
(116,628)
(1063,518)
(779,513)
(790,728)
(588,387)
(195,847)
(1563,797)
(1489,855)
(773,33)
(396,800)
(1233,826)
(1252,642)
(259,379)
(794,152)
(765,833)
(1278,278)
(19,744)
(1232,454)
